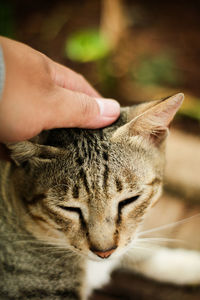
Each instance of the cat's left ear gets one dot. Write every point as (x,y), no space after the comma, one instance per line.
(152,123)
(30,151)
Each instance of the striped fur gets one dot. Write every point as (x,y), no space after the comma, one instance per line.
(65,197)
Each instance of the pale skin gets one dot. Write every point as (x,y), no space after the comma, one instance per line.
(40,94)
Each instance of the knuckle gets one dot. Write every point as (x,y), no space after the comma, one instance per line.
(87,107)
(81,78)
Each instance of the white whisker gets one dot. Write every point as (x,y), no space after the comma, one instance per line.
(139,247)
(159,239)
(168,225)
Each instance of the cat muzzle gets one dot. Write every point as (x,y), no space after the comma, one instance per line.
(103,253)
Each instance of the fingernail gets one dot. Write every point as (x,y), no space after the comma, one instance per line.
(108,107)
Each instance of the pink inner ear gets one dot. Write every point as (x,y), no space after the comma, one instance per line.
(163,113)
(156,120)
(168,109)
(152,122)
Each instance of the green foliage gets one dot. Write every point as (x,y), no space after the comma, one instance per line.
(192,113)
(107,82)
(86,45)
(7,19)
(156,70)
(191,109)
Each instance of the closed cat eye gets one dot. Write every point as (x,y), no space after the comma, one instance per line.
(124,203)
(72,209)
(76,210)
(127,201)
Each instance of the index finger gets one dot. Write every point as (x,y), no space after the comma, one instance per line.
(67,78)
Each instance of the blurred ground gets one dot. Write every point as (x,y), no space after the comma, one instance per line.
(127,286)
(182,175)
(155,52)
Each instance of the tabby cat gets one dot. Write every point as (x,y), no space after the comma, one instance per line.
(73,201)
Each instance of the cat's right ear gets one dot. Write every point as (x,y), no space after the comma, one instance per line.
(150,121)
(29,151)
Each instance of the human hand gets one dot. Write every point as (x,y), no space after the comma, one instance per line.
(40,94)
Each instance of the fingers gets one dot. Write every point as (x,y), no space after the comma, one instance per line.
(46,95)
(66,78)
(73,109)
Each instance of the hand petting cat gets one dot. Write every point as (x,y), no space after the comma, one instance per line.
(40,94)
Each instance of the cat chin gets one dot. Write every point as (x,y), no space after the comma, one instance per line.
(97,274)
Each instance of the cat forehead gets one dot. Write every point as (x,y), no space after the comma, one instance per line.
(73,137)
(98,164)
(94,149)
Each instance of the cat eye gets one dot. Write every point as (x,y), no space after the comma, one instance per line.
(125,202)
(76,210)
(73,209)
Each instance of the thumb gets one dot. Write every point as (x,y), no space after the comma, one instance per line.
(72,109)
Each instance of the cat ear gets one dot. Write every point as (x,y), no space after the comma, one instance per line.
(152,122)
(23,151)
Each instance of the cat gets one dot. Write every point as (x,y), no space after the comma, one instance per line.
(73,202)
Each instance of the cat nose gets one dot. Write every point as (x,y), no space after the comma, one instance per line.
(103,253)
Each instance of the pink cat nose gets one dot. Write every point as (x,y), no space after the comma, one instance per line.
(103,253)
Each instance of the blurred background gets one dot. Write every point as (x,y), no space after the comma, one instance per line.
(132,51)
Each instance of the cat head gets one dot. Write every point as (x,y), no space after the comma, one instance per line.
(89,190)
